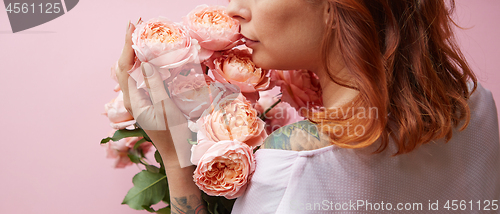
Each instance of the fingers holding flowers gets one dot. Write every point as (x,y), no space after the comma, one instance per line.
(153,111)
(124,64)
(136,100)
(127,57)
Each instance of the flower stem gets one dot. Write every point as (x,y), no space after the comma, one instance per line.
(263,116)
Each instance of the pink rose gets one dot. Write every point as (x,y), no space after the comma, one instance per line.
(213,28)
(118,116)
(202,146)
(300,88)
(233,119)
(164,44)
(113,76)
(280,115)
(236,67)
(194,93)
(119,150)
(191,93)
(225,168)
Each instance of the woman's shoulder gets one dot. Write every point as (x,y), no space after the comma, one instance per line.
(481,97)
(300,136)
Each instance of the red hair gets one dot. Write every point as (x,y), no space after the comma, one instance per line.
(405,63)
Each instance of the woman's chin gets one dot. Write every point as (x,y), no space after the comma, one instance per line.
(263,62)
(267,62)
(258,61)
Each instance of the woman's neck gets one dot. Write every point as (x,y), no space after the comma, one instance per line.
(335,95)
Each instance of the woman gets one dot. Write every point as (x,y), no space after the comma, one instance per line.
(404,127)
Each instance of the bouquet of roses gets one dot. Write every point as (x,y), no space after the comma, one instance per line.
(230,104)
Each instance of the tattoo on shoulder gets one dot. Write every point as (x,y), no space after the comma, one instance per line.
(299,136)
(188,205)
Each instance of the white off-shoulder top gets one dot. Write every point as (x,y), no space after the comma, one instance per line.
(461,176)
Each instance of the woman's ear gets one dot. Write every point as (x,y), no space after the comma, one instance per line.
(327,14)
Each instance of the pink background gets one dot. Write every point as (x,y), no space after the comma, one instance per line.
(55,82)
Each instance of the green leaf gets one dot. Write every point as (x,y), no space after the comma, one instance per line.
(158,157)
(149,188)
(218,204)
(161,170)
(192,142)
(105,140)
(166,198)
(227,203)
(123,133)
(136,146)
(160,161)
(153,169)
(165,210)
(149,209)
(256,148)
(146,137)
(211,202)
(215,209)
(134,158)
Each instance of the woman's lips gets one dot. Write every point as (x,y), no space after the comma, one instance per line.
(249,42)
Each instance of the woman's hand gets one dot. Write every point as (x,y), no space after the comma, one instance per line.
(151,111)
